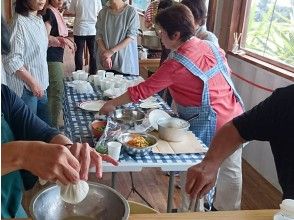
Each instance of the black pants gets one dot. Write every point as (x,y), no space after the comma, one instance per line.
(80,42)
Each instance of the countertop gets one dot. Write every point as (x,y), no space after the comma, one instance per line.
(266,214)
(228,215)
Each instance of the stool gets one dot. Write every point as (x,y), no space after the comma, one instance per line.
(138,208)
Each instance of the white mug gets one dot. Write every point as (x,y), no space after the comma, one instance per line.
(83,76)
(96,80)
(76,75)
(109,74)
(101,73)
(114,148)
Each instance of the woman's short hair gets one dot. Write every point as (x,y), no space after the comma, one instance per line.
(23,7)
(199,10)
(177,18)
(164,4)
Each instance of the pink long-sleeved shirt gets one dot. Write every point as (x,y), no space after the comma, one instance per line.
(185,88)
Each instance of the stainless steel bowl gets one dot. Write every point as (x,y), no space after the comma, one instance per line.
(128,116)
(141,151)
(172,129)
(102,202)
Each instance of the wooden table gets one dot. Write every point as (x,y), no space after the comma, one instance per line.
(228,215)
(266,214)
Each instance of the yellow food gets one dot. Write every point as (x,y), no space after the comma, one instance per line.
(138,142)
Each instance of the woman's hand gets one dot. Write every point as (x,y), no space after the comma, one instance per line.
(50,162)
(37,90)
(107,108)
(88,158)
(107,54)
(71,45)
(54,42)
(107,63)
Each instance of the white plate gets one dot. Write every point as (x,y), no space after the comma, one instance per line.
(155,115)
(92,106)
(150,105)
(150,99)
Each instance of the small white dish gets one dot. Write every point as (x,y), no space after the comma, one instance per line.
(155,116)
(92,106)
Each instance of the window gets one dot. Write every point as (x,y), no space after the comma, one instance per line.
(268,30)
(141,5)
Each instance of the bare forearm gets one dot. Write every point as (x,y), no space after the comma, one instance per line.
(101,45)
(12,156)
(26,76)
(121,45)
(121,100)
(224,143)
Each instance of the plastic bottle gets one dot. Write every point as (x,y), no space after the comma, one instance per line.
(286,210)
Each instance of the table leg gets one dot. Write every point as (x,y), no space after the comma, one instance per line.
(113,178)
(170,191)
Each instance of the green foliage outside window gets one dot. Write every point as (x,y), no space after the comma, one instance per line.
(270,31)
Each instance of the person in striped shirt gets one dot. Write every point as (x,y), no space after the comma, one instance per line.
(26,65)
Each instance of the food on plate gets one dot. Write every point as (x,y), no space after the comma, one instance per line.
(138,142)
(98,128)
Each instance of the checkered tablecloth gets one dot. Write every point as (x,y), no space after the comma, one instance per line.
(76,125)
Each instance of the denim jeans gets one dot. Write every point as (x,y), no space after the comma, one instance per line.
(37,105)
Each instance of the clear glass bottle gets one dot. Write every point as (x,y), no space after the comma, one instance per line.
(286,210)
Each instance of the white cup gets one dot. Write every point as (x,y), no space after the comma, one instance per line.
(96,80)
(103,84)
(114,148)
(76,75)
(109,84)
(101,73)
(119,76)
(109,74)
(83,76)
(91,78)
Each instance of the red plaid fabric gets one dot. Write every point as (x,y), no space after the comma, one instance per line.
(151,11)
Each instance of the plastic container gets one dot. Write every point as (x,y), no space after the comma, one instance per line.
(286,210)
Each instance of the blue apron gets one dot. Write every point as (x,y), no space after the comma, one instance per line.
(204,126)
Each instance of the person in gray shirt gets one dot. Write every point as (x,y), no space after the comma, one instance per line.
(117,28)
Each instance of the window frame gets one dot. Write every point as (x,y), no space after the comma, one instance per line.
(235,22)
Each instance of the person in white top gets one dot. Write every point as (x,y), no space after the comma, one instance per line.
(86,12)
(26,65)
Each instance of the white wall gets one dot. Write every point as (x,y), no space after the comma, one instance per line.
(257,153)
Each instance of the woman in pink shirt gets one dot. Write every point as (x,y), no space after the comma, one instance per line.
(197,76)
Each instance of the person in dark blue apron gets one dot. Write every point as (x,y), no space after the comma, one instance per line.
(197,76)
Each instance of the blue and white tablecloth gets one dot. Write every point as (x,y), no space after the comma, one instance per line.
(76,125)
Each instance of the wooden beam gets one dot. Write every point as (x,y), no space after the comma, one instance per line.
(211,14)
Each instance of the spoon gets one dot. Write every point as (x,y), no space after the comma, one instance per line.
(193,117)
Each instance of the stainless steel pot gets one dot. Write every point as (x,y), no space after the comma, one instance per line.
(102,202)
(129,117)
(150,40)
(172,129)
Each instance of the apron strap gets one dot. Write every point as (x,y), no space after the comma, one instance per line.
(195,70)
(224,70)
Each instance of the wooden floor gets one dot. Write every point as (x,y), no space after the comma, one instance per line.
(152,183)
